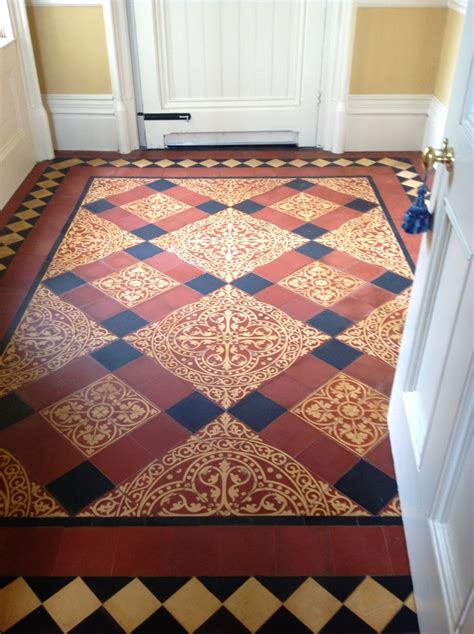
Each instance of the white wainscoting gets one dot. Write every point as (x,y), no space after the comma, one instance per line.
(82,122)
(393,122)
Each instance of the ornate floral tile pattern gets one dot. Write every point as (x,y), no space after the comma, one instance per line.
(393,509)
(51,334)
(370,239)
(357,186)
(380,334)
(305,206)
(321,283)
(347,410)
(230,191)
(99,414)
(229,243)
(225,469)
(227,343)
(155,207)
(88,239)
(104,187)
(135,284)
(19,496)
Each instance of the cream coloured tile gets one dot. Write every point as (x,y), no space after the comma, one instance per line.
(132,605)
(72,604)
(313,605)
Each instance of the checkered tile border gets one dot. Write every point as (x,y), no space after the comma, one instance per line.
(23,220)
(207,604)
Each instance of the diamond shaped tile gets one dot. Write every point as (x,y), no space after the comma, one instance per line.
(248,206)
(310,231)
(222,621)
(359,204)
(337,354)
(17,600)
(330,322)
(99,206)
(251,283)
(155,207)
(314,250)
(64,282)
(12,410)
(230,191)
(205,283)
(257,411)
(192,605)
(72,604)
(161,185)
(373,604)
(148,232)
(131,605)
(79,487)
(252,604)
(144,251)
(116,354)
(392,282)
(313,605)
(304,206)
(194,411)
(368,486)
(299,184)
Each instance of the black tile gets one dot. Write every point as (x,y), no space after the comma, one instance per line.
(248,206)
(314,250)
(164,587)
(346,621)
(37,622)
(124,323)
(99,205)
(251,283)
(99,622)
(339,587)
(106,587)
(205,283)
(64,282)
(160,621)
(330,322)
(300,184)
(392,282)
(4,581)
(368,486)
(222,587)
(404,622)
(148,232)
(400,586)
(257,411)
(79,487)
(222,622)
(337,354)
(310,231)
(144,251)
(45,587)
(283,622)
(194,411)
(211,207)
(13,410)
(161,185)
(116,354)
(359,204)
(281,587)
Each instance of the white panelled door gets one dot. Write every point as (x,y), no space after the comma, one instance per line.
(247,71)
(431,409)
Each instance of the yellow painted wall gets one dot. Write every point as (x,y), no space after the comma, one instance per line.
(449,55)
(397,51)
(70,49)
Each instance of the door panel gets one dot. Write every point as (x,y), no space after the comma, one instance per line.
(237,66)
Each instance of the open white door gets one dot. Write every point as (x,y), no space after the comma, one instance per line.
(246,71)
(431,410)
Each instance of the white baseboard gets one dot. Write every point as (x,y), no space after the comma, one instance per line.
(82,122)
(389,122)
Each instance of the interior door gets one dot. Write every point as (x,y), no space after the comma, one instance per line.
(246,71)
(431,410)
(16,144)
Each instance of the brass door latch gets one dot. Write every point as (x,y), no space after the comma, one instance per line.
(445,155)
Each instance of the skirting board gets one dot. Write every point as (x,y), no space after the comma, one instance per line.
(393,122)
(82,122)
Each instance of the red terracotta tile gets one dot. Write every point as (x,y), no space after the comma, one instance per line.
(326,458)
(86,551)
(52,460)
(360,550)
(122,459)
(173,223)
(153,310)
(381,457)
(395,540)
(160,434)
(82,372)
(83,295)
(184,272)
(30,551)
(289,433)
(193,199)
(247,550)
(339,260)
(283,266)
(180,296)
(276,295)
(285,390)
(31,433)
(119,260)
(284,221)
(194,553)
(140,371)
(365,271)
(311,371)
(302,309)
(164,261)
(144,551)
(303,550)
(373,295)
(373,372)
(330,194)
(167,391)
(334,219)
(94,270)
(140,191)
(103,308)
(129,222)
(47,390)
(352,308)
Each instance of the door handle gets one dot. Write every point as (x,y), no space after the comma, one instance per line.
(445,155)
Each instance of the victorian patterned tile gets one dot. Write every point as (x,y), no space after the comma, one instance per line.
(358,187)
(229,244)
(380,333)
(99,414)
(135,284)
(89,238)
(51,334)
(105,187)
(348,411)
(230,191)
(370,239)
(155,207)
(305,206)
(225,469)
(321,283)
(227,343)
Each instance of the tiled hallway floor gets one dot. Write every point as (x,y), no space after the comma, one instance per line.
(198,355)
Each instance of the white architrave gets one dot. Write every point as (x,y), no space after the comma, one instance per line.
(120,64)
(37,115)
(337,61)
